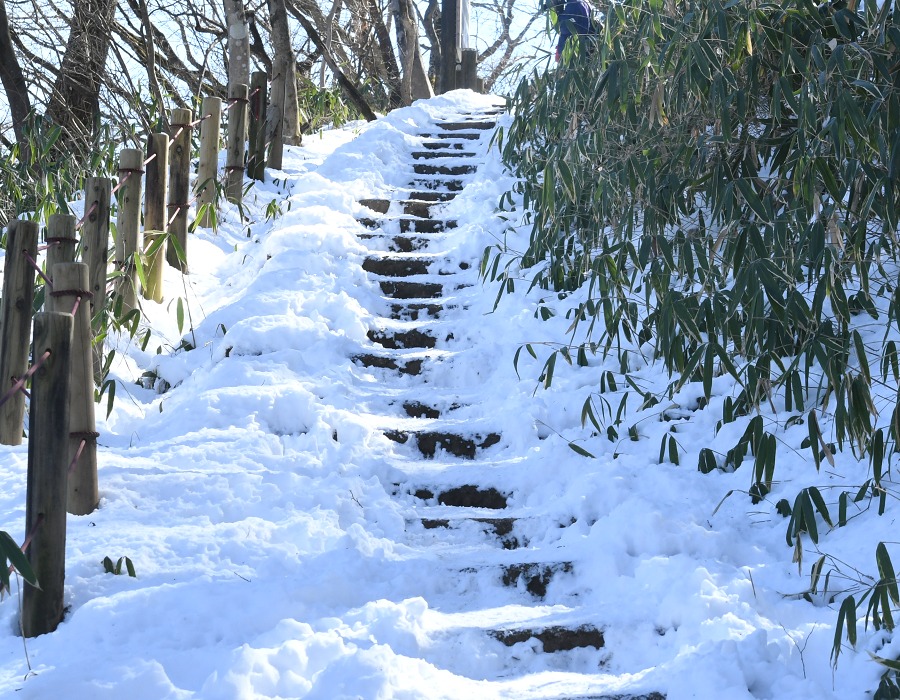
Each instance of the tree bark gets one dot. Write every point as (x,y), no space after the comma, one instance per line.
(383,36)
(353,93)
(238,43)
(13,82)
(284,78)
(75,102)
(414,84)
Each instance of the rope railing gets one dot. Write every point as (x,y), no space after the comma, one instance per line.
(20,383)
(37,268)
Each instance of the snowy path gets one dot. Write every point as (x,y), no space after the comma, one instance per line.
(335,485)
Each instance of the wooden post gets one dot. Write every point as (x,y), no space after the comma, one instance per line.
(130,240)
(70,284)
(256,159)
(237,128)
(15,323)
(155,188)
(449,44)
(469,69)
(45,501)
(275,122)
(61,240)
(205,185)
(179,189)
(95,250)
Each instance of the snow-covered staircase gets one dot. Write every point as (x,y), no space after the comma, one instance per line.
(470,525)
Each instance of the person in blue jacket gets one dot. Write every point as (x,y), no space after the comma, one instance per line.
(574,18)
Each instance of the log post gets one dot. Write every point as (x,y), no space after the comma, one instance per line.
(256,159)
(237,128)
(205,184)
(61,240)
(449,45)
(95,250)
(179,189)
(155,188)
(129,240)
(70,293)
(45,501)
(469,69)
(15,324)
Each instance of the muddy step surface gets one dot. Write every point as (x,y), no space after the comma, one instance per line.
(431,169)
(429,443)
(554,639)
(402,340)
(444,152)
(412,367)
(397,267)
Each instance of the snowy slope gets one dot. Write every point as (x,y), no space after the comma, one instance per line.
(279,534)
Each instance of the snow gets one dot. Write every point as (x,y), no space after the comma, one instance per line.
(273,527)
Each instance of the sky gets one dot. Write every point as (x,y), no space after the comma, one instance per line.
(278,535)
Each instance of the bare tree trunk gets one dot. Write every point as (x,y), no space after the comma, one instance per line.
(432,21)
(284,78)
(386,49)
(75,102)
(238,43)
(356,97)
(13,82)
(151,63)
(414,84)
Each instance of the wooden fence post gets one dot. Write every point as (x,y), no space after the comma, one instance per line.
(237,128)
(45,506)
(205,185)
(95,250)
(70,288)
(256,159)
(129,240)
(179,189)
(469,69)
(155,189)
(15,323)
(61,240)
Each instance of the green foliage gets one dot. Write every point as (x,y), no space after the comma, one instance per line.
(720,182)
(11,556)
(323,107)
(116,569)
(721,178)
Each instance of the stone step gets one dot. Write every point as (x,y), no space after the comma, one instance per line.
(398,244)
(397,267)
(415,311)
(534,577)
(429,442)
(399,289)
(466,496)
(467,124)
(450,170)
(402,340)
(412,367)
(425,225)
(379,205)
(441,153)
(418,209)
(431,196)
(439,185)
(417,409)
(458,135)
(441,144)
(553,639)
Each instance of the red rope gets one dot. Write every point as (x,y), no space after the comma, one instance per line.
(90,211)
(20,383)
(44,277)
(77,456)
(76,305)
